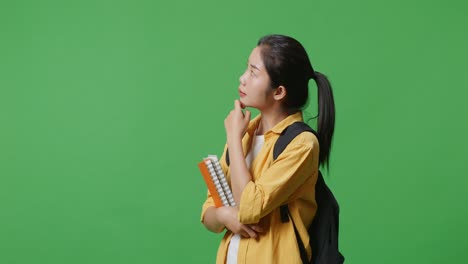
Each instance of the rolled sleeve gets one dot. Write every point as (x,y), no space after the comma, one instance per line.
(250,204)
(278,183)
(207,204)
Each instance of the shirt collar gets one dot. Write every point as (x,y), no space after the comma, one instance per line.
(278,128)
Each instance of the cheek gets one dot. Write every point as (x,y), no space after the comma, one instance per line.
(258,82)
(266,81)
(264,86)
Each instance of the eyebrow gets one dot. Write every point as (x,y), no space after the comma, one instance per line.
(253,66)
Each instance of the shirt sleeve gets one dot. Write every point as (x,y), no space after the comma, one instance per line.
(285,175)
(207,204)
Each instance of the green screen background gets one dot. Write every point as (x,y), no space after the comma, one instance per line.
(107,106)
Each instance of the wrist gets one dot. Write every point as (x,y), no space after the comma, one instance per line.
(220,219)
(234,140)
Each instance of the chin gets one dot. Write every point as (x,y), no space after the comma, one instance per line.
(243,102)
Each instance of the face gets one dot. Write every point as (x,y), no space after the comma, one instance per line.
(254,88)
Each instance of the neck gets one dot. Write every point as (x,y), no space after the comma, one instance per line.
(269,120)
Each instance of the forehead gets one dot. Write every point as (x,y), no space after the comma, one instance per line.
(255,57)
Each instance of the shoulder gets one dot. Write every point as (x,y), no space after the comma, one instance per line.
(305,138)
(302,147)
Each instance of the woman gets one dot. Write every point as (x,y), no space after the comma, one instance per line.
(275,83)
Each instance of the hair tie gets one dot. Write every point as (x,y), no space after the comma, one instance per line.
(313,75)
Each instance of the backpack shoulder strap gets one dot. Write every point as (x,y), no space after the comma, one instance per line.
(284,139)
(288,134)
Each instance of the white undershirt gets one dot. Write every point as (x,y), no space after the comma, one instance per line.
(235,239)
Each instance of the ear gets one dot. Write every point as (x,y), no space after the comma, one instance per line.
(279,93)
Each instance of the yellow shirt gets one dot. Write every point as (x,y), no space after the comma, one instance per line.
(290,179)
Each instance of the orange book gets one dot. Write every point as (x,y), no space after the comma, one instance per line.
(216,181)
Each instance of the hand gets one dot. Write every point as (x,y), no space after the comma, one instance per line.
(236,122)
(227,215)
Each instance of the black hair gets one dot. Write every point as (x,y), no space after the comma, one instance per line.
(287,64)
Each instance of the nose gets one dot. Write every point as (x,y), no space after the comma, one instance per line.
(242,79)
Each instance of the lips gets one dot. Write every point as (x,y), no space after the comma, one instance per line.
(241,94)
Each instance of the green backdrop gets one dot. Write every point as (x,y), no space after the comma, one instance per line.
(107,106)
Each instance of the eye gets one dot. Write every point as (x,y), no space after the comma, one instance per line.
(252,73)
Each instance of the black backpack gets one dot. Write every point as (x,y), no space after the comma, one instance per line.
(323,231)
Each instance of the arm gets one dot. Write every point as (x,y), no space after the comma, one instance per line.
(215,219)
(280,181)
(236,123)
(211,222)
(240,174)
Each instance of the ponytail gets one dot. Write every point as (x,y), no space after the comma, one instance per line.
(326,117)
(287,64)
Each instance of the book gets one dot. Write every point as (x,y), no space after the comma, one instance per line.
(216,181)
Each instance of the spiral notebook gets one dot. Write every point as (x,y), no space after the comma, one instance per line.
(216,181)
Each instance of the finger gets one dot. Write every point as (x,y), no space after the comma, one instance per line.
(237,105)
(257,228)
(245,235)
(249,231)
(247,116)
